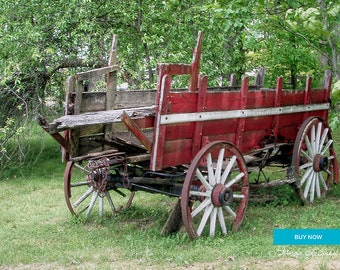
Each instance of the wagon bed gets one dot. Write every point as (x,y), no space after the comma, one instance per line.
(199,144)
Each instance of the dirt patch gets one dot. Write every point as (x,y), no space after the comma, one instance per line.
(292,263)
(228,263)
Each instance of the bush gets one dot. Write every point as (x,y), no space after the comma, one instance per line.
(20,147)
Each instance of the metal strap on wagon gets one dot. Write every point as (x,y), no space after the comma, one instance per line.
(219,115)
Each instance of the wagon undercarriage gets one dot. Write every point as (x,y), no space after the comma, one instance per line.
(209,147)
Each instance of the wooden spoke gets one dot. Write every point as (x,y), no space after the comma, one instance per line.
(215,189)
(86,197)
(314,163)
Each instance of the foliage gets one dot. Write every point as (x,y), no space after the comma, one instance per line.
(43,41)
(292,41)
(19,150)
(335,111)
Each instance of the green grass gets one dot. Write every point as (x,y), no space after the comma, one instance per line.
(36,229)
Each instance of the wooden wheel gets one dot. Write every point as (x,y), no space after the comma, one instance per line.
(314,163)
(88,185)
(216,188)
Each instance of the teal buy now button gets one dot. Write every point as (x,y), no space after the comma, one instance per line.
(306,236)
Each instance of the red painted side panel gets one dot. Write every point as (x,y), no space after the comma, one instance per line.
(218,127)
(222,101)
(179,131)
(292,98)
(146,122)
(252,140)
(182,102)
(178,143)
(260,99)
(264,124)
(319,96)
(177,152)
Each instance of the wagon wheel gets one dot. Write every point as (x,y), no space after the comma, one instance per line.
(314,163)
(216,187)
(87,187)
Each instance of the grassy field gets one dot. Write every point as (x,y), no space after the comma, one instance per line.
(37,230)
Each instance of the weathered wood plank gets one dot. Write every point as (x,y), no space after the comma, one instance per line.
(135,129)
(272,183)
(70,95)
(87,75)
(195,65)
(79,87)
(97,155)
(93,101)
(93,118)
(134,98)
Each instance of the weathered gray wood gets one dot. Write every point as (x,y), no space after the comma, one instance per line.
(93,118)
(89,144)
(74,142)
(93,102)
(111,85)
(127,135)
(259,78)
(174,221)
(137,158)
(272,183)
(96,101)
(97,155)
(134,128)
(232,81)
(70,90)
(79,87)
(90,130)
(136,98)
(95,73)
(113,60)
(111,90)
(327,80)
(111,80)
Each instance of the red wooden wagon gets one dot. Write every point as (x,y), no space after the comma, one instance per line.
(198,144)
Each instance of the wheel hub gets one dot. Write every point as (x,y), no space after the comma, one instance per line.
(98,175)
(320,163)
(221,196)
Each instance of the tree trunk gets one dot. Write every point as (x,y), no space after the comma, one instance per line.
(333,59)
